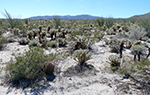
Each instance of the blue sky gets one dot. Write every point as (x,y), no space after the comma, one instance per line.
(105,8)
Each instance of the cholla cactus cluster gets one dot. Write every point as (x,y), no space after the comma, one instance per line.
(114,60)
(81,56)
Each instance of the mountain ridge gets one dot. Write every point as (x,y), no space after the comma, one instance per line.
(84,17)
(76,17)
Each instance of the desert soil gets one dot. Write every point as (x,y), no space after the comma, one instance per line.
(97,79)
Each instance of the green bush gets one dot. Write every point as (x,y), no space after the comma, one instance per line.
(2,42)
(28,66)
(109,22)
(81,56)
(57,22)
(100,21)
(148,40)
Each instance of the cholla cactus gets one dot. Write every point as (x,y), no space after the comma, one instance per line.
(62,42)
(34,43)
(136,48)
(52,33)
(81,56)
(23,41)
(10,40)
(100,35)
(16,31)
(128,44)
(35,33)
(81,42)
(30,35)
(43,34)
(48,29)
(114,61)
(52,44)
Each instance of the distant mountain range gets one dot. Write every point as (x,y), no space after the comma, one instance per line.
(83,17)
(77,17)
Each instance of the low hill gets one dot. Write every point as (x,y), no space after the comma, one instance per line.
(147,15)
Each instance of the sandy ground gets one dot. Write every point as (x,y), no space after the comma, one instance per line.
(66,82)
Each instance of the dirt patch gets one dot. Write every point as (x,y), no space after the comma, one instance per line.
(80,70)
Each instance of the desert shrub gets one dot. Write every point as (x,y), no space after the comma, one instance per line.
(13,22)
(114,48)
(148,40)
(110,32)
(34,43)
(136,32)
(145,23)
(57,22)
(52,44)
(28,66)
(100,21)
(128,44)
(144,38)
(81,56)
(26,21)
(23,41)
(109,22)
(136,48)
(2,42)
(16,31)
(114,62)
(125,28)
(99,35)
(62,42)
(140,72)
(83,42)
(106,41)
(10,40)
(30,34)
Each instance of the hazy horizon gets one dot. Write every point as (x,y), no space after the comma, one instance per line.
(100,8)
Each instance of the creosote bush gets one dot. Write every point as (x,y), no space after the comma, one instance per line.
(81,56)
(28,66)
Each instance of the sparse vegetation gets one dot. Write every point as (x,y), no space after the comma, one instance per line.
(75,40)
(28,66)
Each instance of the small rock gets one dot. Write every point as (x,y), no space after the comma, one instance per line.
(138,86)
